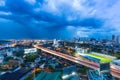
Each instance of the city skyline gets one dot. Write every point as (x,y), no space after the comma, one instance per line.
(63,19)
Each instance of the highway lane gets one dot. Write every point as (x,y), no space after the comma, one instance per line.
(114,71)
(71,58)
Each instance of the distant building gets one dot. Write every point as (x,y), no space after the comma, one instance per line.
(81,51)
(55,43)
(1,59)
(30,50)
(113,37)
(9,53)
(118,39)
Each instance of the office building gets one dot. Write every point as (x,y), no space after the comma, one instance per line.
(113,37)
(118,39)
(55,43)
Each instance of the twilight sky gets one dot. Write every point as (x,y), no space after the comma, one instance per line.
(62,19)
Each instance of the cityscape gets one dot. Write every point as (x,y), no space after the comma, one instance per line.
(75,59)
(59,40)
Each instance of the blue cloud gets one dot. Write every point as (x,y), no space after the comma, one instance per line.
(18,6)
(50,18)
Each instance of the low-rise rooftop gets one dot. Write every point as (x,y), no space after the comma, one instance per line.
(49,76)
(16,75)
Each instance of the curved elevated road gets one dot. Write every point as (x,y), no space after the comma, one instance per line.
(115,70)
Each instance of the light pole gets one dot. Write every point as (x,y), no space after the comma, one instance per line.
(34,72)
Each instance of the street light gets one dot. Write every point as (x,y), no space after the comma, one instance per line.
(34,74)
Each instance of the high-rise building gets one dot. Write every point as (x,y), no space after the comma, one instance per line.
(55,43)
(118,39)
(113,37)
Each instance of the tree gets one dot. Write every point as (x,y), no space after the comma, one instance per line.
(31,57)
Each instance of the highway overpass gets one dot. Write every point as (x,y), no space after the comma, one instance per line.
(115,71)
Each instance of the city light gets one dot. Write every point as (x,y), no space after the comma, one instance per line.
(59,40)
(65,76)
(73,73)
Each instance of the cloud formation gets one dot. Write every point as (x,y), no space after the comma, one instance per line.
(64,19)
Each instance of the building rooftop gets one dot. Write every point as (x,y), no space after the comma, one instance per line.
(94,75)
(92,58)
(99,58)
(14,75)
(69,73)
(116,62)
(49,76)
(69,70)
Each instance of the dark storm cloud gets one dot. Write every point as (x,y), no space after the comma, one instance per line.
(51,17)
(22,12)
(19,6)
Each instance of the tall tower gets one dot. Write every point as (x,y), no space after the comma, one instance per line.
(113,37)
(118,39)
(55,43)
